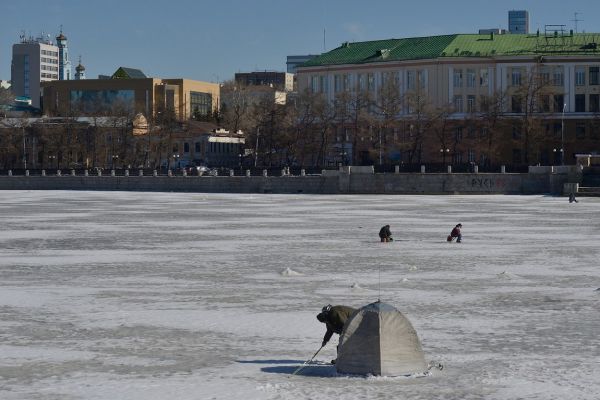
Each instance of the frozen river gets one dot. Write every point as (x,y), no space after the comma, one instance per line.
(121,295)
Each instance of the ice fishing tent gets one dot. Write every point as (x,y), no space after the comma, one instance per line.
(379,340)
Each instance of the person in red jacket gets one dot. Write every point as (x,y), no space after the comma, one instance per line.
(456,234)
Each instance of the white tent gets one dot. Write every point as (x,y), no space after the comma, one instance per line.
(379,340)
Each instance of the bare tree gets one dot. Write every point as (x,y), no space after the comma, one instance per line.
(235,105)
(529,99)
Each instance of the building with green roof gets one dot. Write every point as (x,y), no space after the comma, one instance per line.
(549,83)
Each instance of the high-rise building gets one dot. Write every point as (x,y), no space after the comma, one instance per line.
(34,60)
(64,64)
(518,21)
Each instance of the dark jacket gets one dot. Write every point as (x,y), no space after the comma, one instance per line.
(455,232)
(335,320)
(385,232)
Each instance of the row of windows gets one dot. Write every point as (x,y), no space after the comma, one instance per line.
(546,103)
(547,76)
(367,81)
(214,147)
(48,68)
(593,73)
(49,53)
(49,76)
(587,103)
(49,60)
(469,77)
(557,131)
(201,103)
(472,77)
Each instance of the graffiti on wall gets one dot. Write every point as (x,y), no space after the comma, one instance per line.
(489,183)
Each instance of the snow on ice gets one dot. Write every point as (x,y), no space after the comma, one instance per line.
(211,296)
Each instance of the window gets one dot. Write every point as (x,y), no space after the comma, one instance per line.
(580,76)
(385,78)
(422,78)
(324,82)
(470,78)
(559,102)
(516,133)
(484,103)
(484,77)
(346,82)
(197,147)
(516,77)
(337,83)
(484,132)
(410,78)
(471,132)
(201,103)
(457,157)
(594,72)
(558,130)
(360,82)
(516,104)
(471,155)
(594,103)
(458,104)
(544,103)
(595,132)
(457,78)
(186,147)
(314,84)
(580,103)
(558,77)
(470,103)
(458,133)
(371,82)
(580,131)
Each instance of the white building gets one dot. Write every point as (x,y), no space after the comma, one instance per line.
(34,60)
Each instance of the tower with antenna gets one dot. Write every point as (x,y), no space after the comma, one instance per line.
(576,20)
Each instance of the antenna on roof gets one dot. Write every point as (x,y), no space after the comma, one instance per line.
(324,40)
(576,20)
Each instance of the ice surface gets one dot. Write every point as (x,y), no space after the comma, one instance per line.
(116,295)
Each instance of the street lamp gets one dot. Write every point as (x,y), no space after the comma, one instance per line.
(443,153)
(380,154)
(256,148)
(560,151)
(24,149)
(176,159)
(114,157)
(562,136)
(51,159)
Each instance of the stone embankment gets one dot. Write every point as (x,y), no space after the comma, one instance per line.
(346,180)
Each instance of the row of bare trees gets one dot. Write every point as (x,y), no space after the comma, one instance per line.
(358,127)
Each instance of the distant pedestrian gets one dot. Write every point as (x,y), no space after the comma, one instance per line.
(455,234)
(385,234)
(572,198)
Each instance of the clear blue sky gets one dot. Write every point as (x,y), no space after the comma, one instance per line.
(212,40)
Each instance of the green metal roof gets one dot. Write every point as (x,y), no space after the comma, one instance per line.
(128,73)
(463,45)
